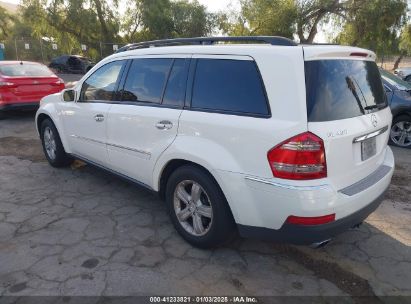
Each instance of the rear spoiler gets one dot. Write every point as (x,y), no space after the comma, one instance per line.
(318,52)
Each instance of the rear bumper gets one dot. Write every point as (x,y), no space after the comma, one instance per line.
(305,235)
(20,106)
(261,206)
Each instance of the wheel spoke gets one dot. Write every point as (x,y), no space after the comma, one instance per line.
(198,224)
(184,214)
(195,192)
(183,195)
(205,211)
(401,141)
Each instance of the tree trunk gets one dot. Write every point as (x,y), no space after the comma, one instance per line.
(397,62)
(104,30)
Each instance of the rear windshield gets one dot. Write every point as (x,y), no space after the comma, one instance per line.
(20,70)
(339,89)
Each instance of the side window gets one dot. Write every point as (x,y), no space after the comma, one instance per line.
(229,85)
(146,79)
(101,85)
(176,84)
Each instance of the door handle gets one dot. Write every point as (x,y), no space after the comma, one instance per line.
(99,117)
(164,125)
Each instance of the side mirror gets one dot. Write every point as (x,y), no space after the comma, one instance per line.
(69,95)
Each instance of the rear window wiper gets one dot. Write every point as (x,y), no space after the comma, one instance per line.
(376,106)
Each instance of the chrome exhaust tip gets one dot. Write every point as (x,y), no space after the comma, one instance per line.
(320,244)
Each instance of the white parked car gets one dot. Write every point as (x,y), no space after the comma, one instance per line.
(274,140)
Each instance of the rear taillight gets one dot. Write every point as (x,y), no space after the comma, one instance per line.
(59,82)
(301,157)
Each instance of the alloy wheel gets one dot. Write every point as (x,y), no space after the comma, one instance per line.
(193,208)
(401,133)
(50,143)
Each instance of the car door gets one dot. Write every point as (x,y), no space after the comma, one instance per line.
(85,119)
(145,120)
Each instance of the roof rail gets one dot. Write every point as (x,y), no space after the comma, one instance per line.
(273,40)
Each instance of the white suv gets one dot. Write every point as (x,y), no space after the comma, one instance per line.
(274,140)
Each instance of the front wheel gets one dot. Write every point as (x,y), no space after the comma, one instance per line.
(198,208)
(400,134)
(52,146)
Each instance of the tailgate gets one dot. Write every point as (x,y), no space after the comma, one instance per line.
(347,108)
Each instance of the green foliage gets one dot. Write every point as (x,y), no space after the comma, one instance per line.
(261,17)
(6,21)
(158,19)
(405,40)
(374,25)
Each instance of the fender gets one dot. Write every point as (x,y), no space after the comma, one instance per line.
(202,152)
(49,107)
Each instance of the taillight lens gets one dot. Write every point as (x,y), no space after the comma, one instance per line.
(301,157)
(59,82)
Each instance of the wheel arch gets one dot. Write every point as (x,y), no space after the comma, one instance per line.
(174,164)
(42,115)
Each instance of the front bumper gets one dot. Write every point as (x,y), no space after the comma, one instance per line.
(305,235)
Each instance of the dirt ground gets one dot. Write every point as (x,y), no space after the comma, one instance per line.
(81,231)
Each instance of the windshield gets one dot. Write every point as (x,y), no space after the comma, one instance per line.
(25,69)
(395,81)
(339,89)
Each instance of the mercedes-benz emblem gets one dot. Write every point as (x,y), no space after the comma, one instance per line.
(374,120)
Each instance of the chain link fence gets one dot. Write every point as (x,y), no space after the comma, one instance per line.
(41,50)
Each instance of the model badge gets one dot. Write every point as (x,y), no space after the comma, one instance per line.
(374,120)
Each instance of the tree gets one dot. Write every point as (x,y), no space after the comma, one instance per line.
(191,19)
(6,22)
(404,45)
(312,13)
(374,25)
(261,17)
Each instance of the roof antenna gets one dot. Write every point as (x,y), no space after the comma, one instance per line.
(21,62)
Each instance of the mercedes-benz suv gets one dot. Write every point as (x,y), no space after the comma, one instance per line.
(274,140)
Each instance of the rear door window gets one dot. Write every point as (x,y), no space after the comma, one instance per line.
(146,80)
(339,89)
(230,86)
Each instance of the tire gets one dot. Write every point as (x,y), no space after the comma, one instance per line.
(207,223)
(400,133)
(52,146)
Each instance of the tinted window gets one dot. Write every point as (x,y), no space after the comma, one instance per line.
(102,84)
(176,85)
(229,85)
(146,79)
(26,69)
(338,89)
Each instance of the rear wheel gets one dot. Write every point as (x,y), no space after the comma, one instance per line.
(52,146)
(400,134)
(198,208)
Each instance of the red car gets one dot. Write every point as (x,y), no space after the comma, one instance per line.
(23,84)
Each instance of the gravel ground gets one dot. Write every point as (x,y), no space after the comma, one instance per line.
(81,231)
